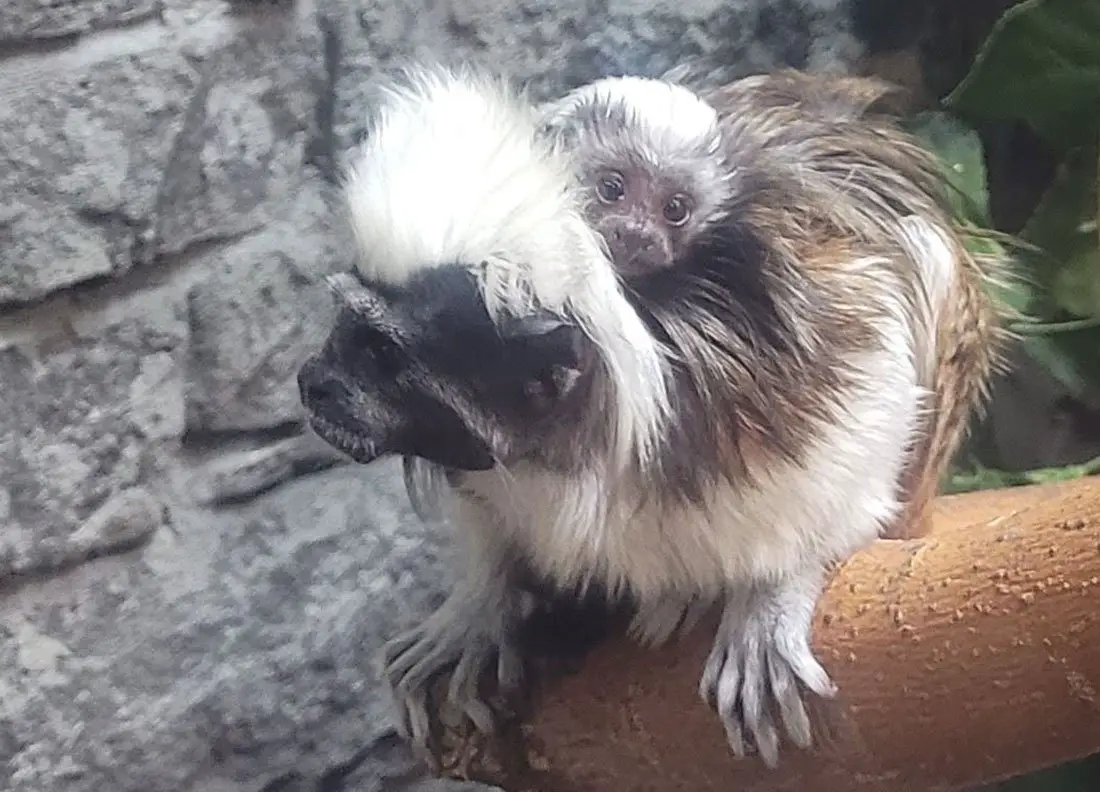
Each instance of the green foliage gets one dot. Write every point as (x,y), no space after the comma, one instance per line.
(1040,66)
(958,146)
(987,478)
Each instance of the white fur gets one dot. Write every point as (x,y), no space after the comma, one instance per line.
(674,116)
(448,174)
(814,513)
(455,172)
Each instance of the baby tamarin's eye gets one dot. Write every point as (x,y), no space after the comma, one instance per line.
(677,210)
(609,187)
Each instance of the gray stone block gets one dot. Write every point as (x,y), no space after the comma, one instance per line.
(237,649)
(251,120)
(77,438)
(255,319)
(46,19)
(81,166)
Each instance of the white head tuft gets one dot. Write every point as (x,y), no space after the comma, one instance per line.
(455,171)
(446,175)
(674,117)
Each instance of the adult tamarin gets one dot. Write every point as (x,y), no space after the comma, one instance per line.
(680,408)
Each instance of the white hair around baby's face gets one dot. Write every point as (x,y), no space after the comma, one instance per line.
(673,115)
(652,157)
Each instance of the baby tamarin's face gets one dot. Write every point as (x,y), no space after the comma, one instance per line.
(646,217)
(651,158)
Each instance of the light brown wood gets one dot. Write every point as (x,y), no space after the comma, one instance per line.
(962,657)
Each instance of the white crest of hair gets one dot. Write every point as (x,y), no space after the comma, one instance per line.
(673,116)
(454,171)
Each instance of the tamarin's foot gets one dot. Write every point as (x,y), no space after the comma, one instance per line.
(760,659)
(466,637)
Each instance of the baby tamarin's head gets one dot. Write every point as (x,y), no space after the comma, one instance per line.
(651,159)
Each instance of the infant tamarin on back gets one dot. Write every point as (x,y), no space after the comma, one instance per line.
(827,337)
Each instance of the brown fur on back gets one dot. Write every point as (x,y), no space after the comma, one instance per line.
(833,141)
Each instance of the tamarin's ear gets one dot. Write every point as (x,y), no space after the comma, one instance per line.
(547,333)
(556,123)
(555,339)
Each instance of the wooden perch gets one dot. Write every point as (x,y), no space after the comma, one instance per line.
(963,657)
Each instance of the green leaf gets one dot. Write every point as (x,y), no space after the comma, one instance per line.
(1063,229)
(1040,64)
(989,478)
(1063,264)
(960,150)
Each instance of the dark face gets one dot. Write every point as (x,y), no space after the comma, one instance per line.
(423,371)
(645,220)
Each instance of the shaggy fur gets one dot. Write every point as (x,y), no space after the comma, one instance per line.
(836,139)
(731,427)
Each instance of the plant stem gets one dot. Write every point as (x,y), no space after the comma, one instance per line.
(1052,328)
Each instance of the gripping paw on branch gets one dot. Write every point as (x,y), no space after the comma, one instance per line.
(759,666)
(468,639)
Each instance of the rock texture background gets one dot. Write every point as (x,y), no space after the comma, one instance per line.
(193,590)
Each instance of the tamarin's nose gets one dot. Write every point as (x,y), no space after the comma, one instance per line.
(632,242)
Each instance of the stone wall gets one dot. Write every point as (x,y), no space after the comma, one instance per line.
(192,591)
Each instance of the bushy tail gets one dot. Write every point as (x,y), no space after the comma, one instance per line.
(970,350)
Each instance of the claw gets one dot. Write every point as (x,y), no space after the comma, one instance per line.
(735,737)
(760,660)
(804,665)
(459,639)
(728,689)
(791,707)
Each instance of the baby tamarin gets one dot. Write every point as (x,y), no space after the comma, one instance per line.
(650,155)
(769,370)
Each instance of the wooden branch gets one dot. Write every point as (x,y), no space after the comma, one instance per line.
(963,657)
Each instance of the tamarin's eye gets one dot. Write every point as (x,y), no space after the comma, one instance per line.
(677,210)
(609,187)
(383,352)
